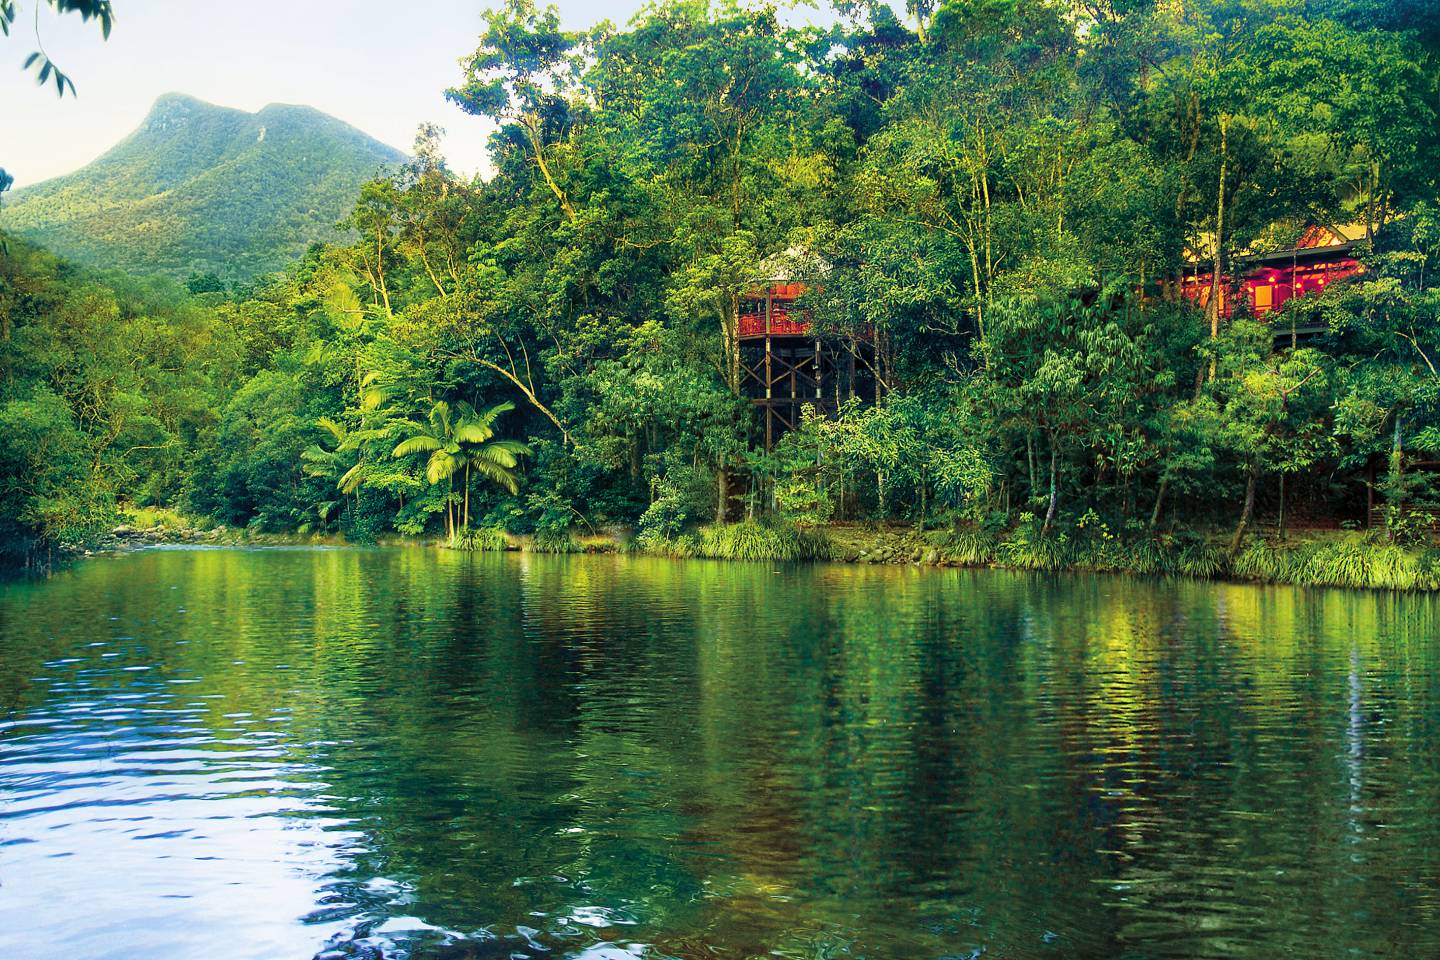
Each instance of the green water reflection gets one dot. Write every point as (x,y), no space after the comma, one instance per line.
(226,753)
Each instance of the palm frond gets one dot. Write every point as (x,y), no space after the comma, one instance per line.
(440,418)
(442,466)
(492,453)
(495,412)
(497,474)
(472,431)
(352,478)
(319,462)
(332,428)
(422,444)
(344,307)
(374,398)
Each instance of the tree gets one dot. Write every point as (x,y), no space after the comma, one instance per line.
(332,461)
(1385,330)
(1368,95)
(994,199)
(45,481)
(459,443)
(519,76)
(1272,411)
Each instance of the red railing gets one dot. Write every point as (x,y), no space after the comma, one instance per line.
(784,322)
(1270,288)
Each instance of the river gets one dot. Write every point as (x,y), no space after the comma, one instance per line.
(226,754)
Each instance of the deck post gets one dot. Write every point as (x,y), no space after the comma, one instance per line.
(769,379)
(819,372)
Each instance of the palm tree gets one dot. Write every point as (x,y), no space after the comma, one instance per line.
(463,441)
(328,463)
(495,460)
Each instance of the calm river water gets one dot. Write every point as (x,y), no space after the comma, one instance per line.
(278,753)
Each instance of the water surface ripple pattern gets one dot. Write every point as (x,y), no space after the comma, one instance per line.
(347,753)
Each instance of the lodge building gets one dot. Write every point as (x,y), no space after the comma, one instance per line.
(1265,282)
(785,363)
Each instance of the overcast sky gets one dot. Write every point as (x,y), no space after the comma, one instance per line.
(381,65)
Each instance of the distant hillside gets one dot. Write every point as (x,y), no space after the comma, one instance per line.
(201,188)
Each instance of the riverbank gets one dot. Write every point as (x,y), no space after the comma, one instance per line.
(151,527)
(1334,558)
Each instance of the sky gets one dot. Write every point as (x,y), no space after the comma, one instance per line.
(379,65)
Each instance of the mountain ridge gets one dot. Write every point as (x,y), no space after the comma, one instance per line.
(202,188)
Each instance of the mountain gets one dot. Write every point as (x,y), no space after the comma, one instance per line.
(200,188)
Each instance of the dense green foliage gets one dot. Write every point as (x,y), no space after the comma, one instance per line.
(201,189)
(107,391)
(1001,195)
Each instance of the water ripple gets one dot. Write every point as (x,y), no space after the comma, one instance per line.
(405,754)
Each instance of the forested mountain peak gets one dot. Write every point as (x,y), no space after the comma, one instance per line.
(204,188)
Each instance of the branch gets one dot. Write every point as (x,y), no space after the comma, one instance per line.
(474,357)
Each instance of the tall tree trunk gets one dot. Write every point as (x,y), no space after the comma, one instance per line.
(531,125)
(466,524)
(1281,525)
(1054,485)
(1030,459)
(923,484)
(1213,307)
(1248,511)
(1159,500)
(730,327)
(425,259)
(722,492)
(1395,495)
(1369,495)
(383,288)
(1397,453)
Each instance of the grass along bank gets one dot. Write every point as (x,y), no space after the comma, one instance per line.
(1306,558)
(1331,558)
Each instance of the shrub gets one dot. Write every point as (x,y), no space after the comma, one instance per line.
(1200,559)
(1338,565)
(972,548)
(1393,568)
(1151,558)
(481,540)
(555,541)
(1035,553)
(751,540)
(1356,564)
(152,517)
(664,519)
(1259,560)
